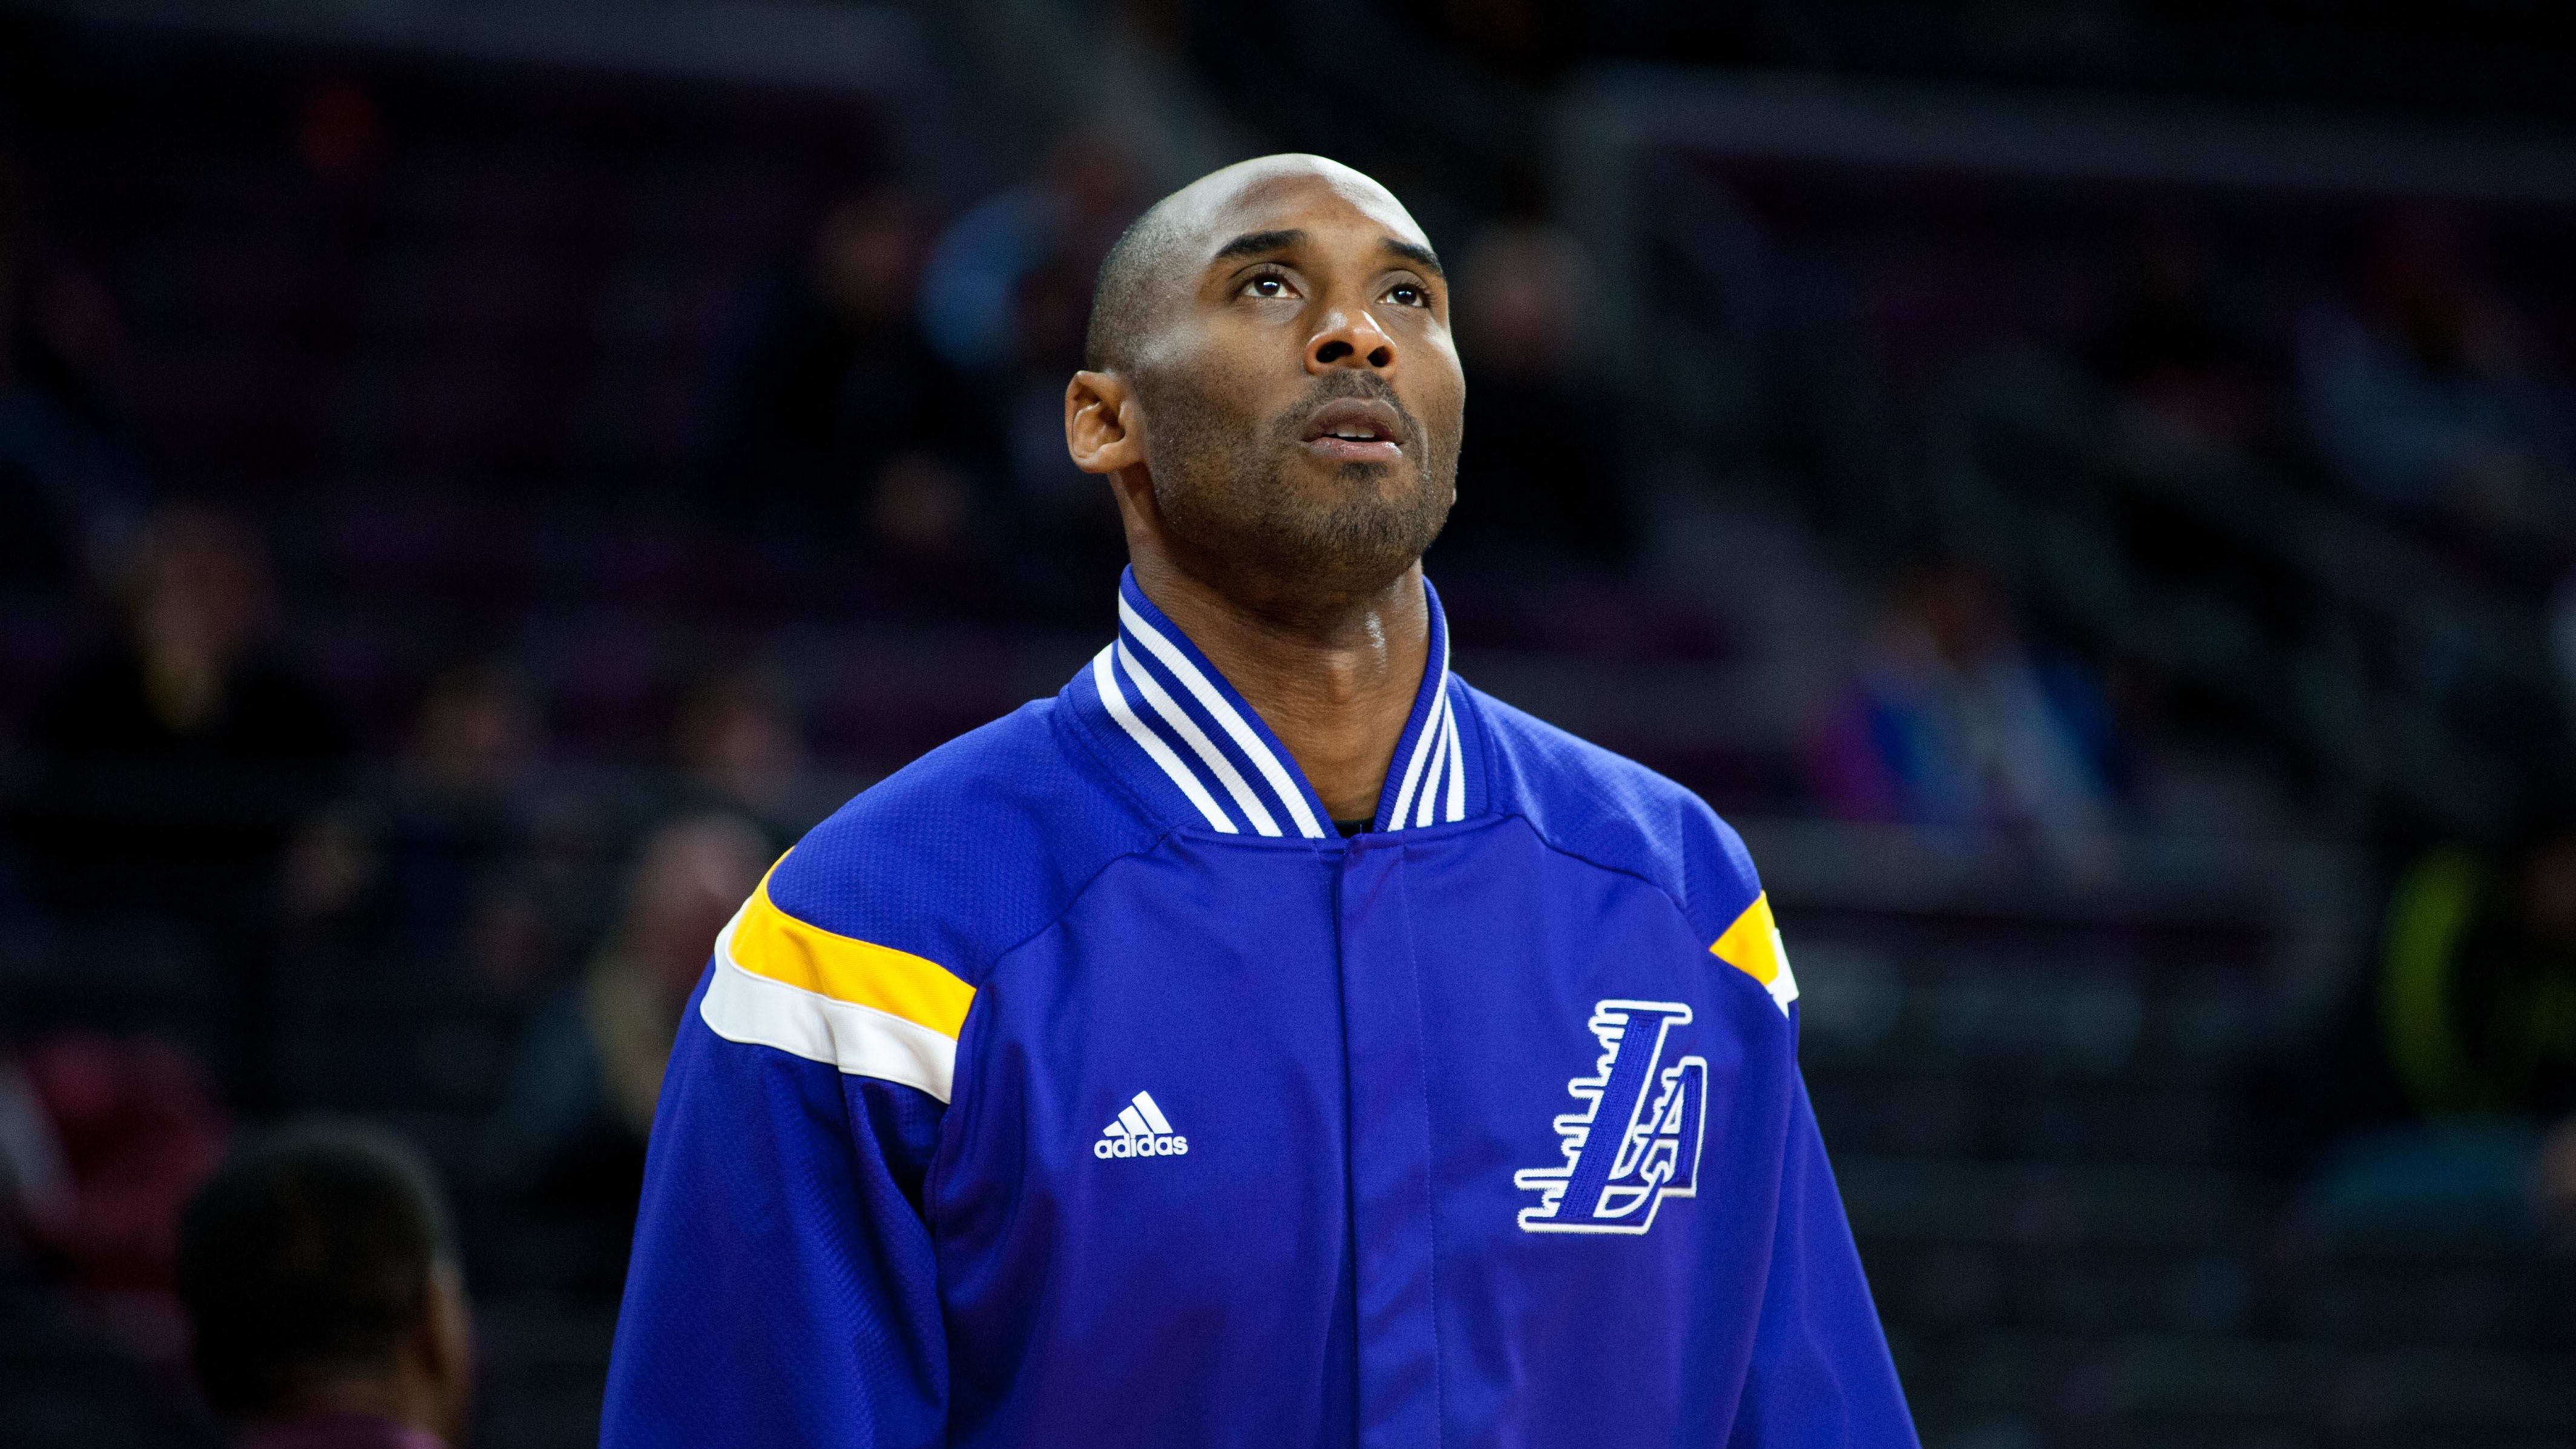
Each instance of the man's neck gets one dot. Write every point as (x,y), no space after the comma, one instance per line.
(1334,683)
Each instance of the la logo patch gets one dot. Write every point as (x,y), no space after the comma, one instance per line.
(1636,1141)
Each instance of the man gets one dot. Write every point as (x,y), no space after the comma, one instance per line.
(1269,1040)
(323,1293)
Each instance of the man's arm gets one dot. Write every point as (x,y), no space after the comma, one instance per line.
(782,1286)
(1820,1374)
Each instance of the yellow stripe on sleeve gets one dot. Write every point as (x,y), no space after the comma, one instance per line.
(1752,946)
(767,941)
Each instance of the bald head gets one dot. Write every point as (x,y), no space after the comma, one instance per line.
(1272,387)
(1158,255)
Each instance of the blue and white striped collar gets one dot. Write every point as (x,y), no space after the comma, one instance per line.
(1195,743)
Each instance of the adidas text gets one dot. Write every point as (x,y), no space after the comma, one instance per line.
(1174,1146)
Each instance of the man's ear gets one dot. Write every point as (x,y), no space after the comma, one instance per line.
(1102,429)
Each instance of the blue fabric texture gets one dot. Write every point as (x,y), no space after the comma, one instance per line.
(1454,1132)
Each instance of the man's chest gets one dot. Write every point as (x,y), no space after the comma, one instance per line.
(1287,1097)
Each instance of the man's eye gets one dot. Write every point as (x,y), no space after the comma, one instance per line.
(1267,285)
(1405,294)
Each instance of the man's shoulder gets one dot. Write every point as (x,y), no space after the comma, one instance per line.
(968,849)
(1604,808)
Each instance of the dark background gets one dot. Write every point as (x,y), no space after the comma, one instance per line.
(2088,490)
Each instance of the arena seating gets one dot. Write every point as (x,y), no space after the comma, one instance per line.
(460,374)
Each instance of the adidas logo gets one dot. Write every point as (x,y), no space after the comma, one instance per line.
(1140,1131)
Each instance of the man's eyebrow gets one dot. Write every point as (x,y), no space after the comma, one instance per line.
(1257,244)
(1420,256)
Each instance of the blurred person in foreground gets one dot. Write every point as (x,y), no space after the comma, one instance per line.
(1269,1039)
(565,1148)
(322,1283)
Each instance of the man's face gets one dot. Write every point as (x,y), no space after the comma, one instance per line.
(1301,398)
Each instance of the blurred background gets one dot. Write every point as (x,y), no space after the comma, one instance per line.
(2092,496)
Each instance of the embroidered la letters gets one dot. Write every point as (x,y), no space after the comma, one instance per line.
(1636,1141)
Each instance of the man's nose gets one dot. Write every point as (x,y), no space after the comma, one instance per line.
(1351,338)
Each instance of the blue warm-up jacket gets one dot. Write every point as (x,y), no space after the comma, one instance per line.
(1080,1085)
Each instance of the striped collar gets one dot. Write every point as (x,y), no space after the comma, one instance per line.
(1188,740)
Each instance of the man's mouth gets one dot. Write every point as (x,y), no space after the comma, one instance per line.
(1355,430)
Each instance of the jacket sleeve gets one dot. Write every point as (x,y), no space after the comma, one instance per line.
(782,1288)
(1820,1374)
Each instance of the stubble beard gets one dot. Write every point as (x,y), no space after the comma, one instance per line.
(1224,485)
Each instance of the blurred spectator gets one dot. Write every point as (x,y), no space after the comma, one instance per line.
(2455,1077)
(426,877)
(2559,619)
(108,1136)
(181,752)
(2180,354)
(842,418)
(739,750)
(1005,299)
(35,1185)
(566,1147)
(1954,724)
(62,1381)
(2479,996)
(1088,187)
(2426,401)
(1540,481)
(69,478)
(320,1276)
